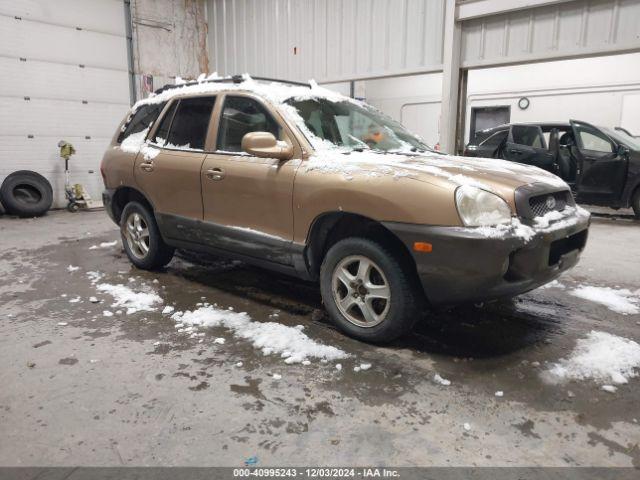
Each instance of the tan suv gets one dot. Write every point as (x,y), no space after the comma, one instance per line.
(298,179)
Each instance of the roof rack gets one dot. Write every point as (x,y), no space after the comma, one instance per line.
(230,79)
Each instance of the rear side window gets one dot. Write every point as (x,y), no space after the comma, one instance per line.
(191,123)
(187,124)
(527,135)
(142,118)
(242,115)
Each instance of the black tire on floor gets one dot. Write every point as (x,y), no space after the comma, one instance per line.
(406,297)
(159,253)
(635,203)
(26,194)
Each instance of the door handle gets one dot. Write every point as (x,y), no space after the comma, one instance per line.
(515,152)
(215,174)
(147,166)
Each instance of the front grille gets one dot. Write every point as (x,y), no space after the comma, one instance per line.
(539,204)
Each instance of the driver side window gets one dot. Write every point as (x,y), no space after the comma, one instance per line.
(591,140)
(242,115)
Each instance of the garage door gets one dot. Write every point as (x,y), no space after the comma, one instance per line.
(64,76)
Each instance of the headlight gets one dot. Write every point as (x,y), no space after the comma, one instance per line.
(478,207)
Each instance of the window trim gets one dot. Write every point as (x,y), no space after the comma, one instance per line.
(498,132)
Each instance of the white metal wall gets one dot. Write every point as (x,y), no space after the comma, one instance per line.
(64,76)
(339,40)
(567,29)
(329,40)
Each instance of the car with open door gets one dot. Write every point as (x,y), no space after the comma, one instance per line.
(602,165)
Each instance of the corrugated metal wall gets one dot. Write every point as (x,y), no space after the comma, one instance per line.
(568,29)
(336,40)
(329,40)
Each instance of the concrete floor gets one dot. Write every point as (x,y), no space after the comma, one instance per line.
(99,392)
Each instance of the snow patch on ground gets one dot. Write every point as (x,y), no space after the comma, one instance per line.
(621,300)
(104,245)
(600,356)
(270,337)
(72,268)
(133,301)
(442,381)
(554,284)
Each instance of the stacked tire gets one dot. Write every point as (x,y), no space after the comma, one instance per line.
(26,194)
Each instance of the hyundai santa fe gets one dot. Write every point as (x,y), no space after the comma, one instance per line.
(301,180)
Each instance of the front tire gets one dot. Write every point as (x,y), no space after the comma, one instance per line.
(369,292)
(141,238)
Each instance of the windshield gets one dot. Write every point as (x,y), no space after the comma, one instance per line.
(622,137)
(356,127)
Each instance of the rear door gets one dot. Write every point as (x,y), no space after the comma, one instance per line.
(526,144)
(601,170)
(170,174)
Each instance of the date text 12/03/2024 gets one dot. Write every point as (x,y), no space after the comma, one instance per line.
(316,472)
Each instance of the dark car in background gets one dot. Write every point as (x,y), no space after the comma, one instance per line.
(601,165)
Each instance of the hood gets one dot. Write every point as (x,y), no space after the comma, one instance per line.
(446,171)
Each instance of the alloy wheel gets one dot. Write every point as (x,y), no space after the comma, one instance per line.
(136,233)
(361,291)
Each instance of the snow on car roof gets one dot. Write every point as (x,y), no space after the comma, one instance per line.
(275,91)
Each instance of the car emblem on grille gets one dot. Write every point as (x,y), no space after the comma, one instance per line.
(550,202)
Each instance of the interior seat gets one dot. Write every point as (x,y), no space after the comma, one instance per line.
(567,163)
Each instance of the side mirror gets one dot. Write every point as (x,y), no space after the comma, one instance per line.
(265,145)
(623,150)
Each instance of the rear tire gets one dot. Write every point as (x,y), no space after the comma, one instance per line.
(368,291)
(141,238)
(26,194)
(635,203)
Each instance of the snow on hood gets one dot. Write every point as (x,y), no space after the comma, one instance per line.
(485,173)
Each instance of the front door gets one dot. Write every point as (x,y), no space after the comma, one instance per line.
(248,200)
(168,171)
(601,170)
(526,144)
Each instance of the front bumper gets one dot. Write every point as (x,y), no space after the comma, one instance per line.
(472,265)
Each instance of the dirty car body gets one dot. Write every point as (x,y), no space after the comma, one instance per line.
(310,183)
